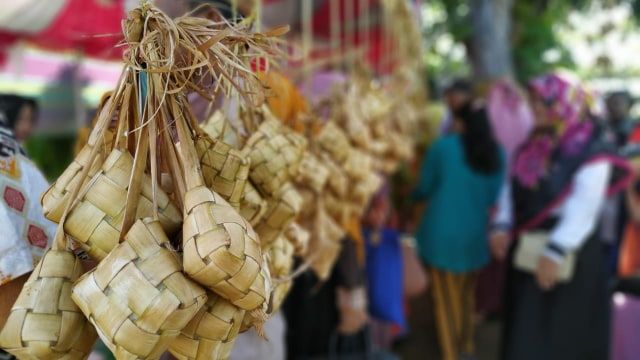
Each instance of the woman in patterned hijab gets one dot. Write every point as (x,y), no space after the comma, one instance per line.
(559,180)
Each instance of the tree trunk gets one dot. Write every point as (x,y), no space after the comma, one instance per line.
(490,47)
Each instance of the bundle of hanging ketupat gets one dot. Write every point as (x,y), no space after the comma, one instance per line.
(191,285)
(151,290)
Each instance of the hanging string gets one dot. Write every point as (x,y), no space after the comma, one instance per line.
(258,4)
(364,28)
(336,29)
(307,38)
(350,32)
(387,36)
(234,11)
(258,15)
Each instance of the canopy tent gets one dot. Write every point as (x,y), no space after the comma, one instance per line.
(62,52)
(84,35)
(92,27)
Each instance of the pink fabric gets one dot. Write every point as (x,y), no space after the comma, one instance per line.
(566,98)
(510,115)
(322,84)
(566,103)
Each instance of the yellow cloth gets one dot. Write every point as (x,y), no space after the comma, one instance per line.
(453,299)
(354,230)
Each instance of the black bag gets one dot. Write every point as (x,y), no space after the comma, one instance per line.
(351,347)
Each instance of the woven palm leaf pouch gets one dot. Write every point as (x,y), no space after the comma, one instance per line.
(137,297)
(252,205)
(211,333)
(221,250)
(282,209)
(224,169)
(44,322)
(275,152)
(55,198)
(97,218)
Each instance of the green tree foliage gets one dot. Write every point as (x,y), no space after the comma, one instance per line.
(536,47)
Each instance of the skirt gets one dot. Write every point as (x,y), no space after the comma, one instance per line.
(570,322)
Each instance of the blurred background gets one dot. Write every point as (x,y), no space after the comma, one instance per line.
(67,53)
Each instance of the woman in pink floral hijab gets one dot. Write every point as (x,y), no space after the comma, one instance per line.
(559,180)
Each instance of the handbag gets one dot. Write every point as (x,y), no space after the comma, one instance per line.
(416,280)
(357,346)
(530,248)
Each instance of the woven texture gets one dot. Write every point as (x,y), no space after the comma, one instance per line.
(280,265)
(281,257)
(358,164)
(252,206)
(275,156)
(338,181)
(324,244)
(221,250)
(55,198)
(364,190)
(401,146)
(339,209)
(334,141)
(279,295)
(224,169)
(299,238)
(137,297)
(44,322)
(96,220)
(211,333)
(282,209)
(216,124)
(312,173)
(358,131)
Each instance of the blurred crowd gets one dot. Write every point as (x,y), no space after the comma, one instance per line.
(532,211)
(524,207)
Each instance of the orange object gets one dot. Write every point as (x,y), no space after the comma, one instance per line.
(629,263)
(284,99)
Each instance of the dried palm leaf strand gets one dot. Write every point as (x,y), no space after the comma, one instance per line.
(55,198)
(189,48)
